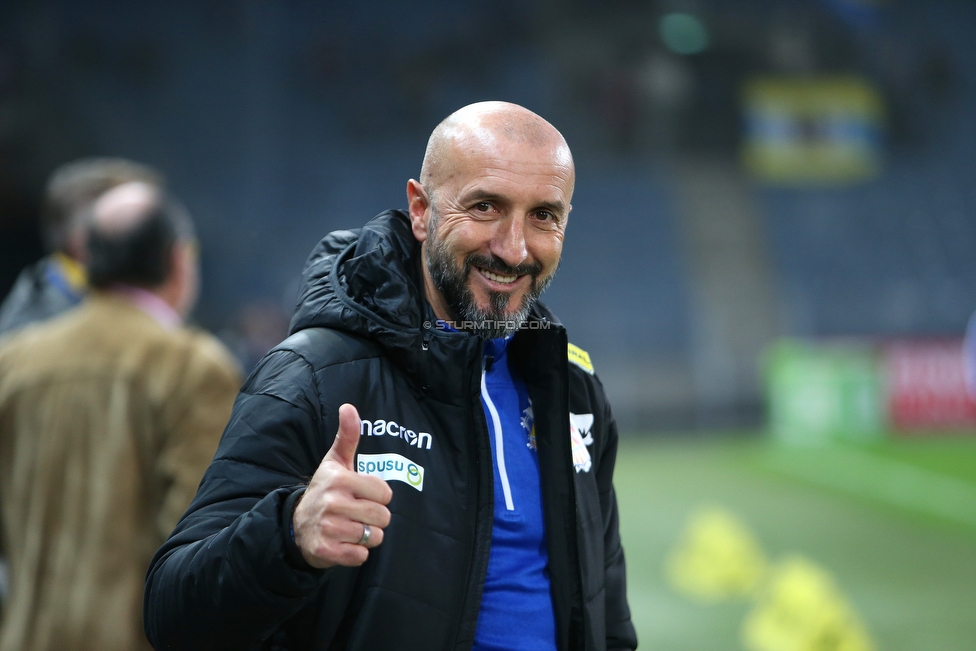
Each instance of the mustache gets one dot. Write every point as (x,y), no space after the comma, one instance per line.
(496,265)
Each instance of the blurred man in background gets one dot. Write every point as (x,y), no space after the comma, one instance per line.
(109,415)
(57,282)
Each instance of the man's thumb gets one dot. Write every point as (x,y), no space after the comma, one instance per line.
(343,449)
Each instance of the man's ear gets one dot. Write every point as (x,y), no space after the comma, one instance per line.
(182,286)
(418,203)
(77,245)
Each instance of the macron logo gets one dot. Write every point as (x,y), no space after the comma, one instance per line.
(382,427)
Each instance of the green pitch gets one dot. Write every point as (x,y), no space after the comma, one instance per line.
(894,523)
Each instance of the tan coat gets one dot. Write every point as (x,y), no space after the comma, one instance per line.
(107,423)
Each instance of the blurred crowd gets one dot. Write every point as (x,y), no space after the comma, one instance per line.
(110,406)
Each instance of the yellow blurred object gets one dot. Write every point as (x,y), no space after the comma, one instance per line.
(72,271)
(801,609)
(822,130)
(716,558)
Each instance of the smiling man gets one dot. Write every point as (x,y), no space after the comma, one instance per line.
(426,463)
(491,210)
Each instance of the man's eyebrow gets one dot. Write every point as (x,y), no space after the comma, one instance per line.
(557,207)
(479,194)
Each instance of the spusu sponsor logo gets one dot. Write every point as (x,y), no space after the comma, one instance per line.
(391,467)
(380,427)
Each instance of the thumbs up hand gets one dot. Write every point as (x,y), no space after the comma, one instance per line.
(332,517)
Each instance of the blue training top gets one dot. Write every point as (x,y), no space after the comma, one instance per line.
(516,606)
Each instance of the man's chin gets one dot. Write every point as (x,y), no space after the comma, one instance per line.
(487,319)
(489,302)
(507,320)
(501,317)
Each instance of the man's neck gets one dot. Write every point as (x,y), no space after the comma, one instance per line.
(149,302)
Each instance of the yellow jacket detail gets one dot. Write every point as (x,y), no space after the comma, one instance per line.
(581,358)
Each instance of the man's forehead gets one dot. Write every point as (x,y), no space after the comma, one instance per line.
(498,137)
(492,130)
(513,161)
(486,176)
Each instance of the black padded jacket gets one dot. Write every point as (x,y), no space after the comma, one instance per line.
(230,576)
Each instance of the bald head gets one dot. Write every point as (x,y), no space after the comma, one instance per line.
(133,229)
(487,127)
(73,188)
(123,208)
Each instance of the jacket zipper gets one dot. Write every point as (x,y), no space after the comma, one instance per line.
(496,424)
(473,583)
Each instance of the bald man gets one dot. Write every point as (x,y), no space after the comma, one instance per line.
(426,462)
(57,282)
(109,415)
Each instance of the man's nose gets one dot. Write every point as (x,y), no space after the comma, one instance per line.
(509,242)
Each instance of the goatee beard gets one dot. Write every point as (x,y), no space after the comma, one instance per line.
(452,281)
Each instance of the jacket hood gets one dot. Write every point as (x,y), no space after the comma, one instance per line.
(364,281)
(367,282)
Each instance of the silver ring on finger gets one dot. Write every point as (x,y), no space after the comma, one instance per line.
(366,534)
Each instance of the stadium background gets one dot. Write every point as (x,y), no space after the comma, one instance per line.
(754,176)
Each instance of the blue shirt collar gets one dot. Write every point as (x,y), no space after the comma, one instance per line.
(494,347)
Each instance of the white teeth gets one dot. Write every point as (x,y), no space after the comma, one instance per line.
(498,278)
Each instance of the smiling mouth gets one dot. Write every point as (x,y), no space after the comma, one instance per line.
(496,277)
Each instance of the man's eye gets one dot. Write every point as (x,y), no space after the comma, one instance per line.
(482,206)
(545,216)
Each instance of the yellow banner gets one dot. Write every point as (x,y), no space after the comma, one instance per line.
(812,130)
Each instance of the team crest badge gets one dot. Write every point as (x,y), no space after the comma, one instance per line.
(528,423)
(580,426)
